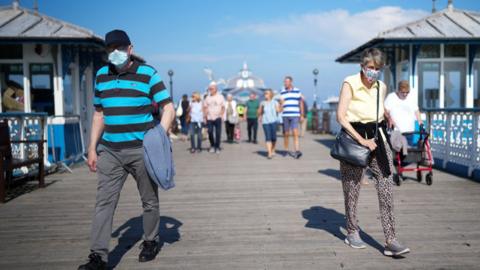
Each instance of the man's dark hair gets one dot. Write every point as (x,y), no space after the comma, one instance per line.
(289,77)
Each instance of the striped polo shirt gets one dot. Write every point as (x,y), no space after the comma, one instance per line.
(126,100)
(291,102)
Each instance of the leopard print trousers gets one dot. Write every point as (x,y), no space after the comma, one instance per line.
(351,177)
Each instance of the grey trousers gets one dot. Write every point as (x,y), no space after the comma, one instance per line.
(113,167)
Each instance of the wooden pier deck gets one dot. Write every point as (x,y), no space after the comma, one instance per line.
(238,210)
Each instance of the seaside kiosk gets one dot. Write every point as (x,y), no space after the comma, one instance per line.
(50,65)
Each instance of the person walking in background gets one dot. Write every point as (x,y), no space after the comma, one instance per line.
(292,114)
(402,111)
(268,110)
(213,111)
(196,121)
(184,116)
(251,110)
(303,123)
(231,117)
(121,99)
(357,114)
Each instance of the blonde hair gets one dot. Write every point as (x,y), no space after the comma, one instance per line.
(196,96)
(375,55)
(270,92)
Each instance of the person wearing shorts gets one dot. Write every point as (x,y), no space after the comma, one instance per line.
(268,110)
(292,111)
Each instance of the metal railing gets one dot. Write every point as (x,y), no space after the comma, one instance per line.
(65,139)
(26,126)
(327,121)
(454,138)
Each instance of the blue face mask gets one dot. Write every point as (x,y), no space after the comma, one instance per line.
(372,75)
(118,58)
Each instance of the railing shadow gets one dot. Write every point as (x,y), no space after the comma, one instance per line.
(131,233)
(24,186)
(331,173)
(326,142)
(332,222)
(261,153)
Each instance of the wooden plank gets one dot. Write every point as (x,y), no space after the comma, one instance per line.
(238,210)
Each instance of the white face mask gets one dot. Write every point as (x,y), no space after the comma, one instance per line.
(118,58)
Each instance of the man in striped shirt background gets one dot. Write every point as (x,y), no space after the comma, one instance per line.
(291,100)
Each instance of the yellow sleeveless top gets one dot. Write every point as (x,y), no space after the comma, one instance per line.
(363,105)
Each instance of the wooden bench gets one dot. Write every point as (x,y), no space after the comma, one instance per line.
(8,163)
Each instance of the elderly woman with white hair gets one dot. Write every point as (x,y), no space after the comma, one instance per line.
(231,117)
(213,111)
(359,117)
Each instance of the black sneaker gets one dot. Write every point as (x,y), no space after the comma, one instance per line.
(149,251)
(95,263)
(297,154)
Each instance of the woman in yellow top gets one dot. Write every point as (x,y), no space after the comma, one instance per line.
(357,114)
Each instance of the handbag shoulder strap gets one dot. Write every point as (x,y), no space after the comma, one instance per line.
(378,108)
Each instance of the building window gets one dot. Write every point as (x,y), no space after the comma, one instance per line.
(403,53)
(428,84)
(403,71)
(41,78)
(68,95)
(454,73)
(11,86)
(454,50)
(476,84)
(11,51)
(429,51)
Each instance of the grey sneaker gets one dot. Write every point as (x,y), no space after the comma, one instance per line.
(354,240)
(395,249)
(217,150)
(211,150)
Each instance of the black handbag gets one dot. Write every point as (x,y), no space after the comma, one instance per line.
(347,149)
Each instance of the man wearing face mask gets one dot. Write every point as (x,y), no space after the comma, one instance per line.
(124,91)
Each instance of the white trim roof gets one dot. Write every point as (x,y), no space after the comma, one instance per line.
(447,23)
(21,23)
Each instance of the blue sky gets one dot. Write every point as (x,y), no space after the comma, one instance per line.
(275,37)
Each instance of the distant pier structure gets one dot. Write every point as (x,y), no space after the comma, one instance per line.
(245,83)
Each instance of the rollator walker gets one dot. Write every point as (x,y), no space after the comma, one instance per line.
(419,158)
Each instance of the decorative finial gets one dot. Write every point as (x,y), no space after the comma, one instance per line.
(15,4)
(450,5)
(35,6)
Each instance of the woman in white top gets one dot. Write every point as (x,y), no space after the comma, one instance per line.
(357,114)
(268,110)
(230,117)
(196,120)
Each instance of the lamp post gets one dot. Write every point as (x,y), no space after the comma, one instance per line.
(170,74)
(314,107)
(315,73)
